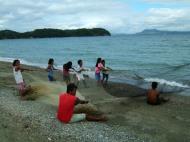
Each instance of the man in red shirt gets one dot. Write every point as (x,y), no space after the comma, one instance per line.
(67,102)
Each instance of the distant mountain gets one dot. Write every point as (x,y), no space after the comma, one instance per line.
(48,33)
(155,31)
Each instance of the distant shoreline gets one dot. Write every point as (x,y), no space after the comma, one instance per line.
(53,33)
(158,32)
(153,32)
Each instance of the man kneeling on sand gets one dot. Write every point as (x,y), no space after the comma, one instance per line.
(67,102)
(153,96)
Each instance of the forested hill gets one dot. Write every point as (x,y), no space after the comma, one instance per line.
(48,33)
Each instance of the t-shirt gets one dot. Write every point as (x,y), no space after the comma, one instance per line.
(65,70)
(66,107)
(50,71)
(98,68)
(79,73)
(18,76)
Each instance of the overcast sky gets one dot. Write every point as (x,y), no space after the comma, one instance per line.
(118,16)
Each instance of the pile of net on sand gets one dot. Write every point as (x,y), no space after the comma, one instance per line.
(48,92)
(44,89)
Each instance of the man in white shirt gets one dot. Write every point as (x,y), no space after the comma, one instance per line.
(80,72)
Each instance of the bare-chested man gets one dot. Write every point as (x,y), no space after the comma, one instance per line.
(153,96)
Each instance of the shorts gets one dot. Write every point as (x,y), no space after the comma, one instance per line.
(50,78)
(106,76)
(21,86)
(80,77)
(78,117)
(97,76)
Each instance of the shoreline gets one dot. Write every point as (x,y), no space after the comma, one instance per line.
(165,86)
(130,118)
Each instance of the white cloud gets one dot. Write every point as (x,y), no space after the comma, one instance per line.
(117,17)
(167,19)
(28,15)
(168,1)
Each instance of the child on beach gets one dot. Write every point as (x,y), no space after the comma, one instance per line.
(80,72)
(17,69)
(50,69)
(67,102)
(66,72)
(153,96)
(98,68)
(105,73)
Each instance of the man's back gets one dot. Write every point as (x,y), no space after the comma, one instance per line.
(152,96)
(66,107)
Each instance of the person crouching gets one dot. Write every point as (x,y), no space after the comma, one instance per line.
(67,102)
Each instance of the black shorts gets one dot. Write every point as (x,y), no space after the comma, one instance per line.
(158,102)
(105,76)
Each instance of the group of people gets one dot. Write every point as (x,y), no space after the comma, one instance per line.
(100,67)
(68,100)
(79,71)
(67,71)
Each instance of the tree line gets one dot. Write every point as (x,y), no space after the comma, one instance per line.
(48,33)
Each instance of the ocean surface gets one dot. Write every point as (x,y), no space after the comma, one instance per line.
(135,59)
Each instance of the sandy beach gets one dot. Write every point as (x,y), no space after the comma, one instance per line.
(130,118)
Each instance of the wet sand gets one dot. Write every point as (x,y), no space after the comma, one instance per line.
(130,118)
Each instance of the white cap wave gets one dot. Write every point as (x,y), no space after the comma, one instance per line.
(6,59)
(163,81)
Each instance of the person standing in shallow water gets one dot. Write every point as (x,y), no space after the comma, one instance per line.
(153,96)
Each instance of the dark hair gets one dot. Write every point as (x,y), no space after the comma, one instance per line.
(64,66)
(154,85)
(79,61)
(103,62)
(51,60)
(15,61)
(71,87)
(67,66)
(98,61)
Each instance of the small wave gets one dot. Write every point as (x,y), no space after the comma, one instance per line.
(22,62)
(137,77)
(181,66)
(6,59)
(169,83)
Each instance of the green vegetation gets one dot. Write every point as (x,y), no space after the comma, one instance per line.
(48,33)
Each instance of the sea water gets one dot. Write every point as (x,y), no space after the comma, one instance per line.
(134,59)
